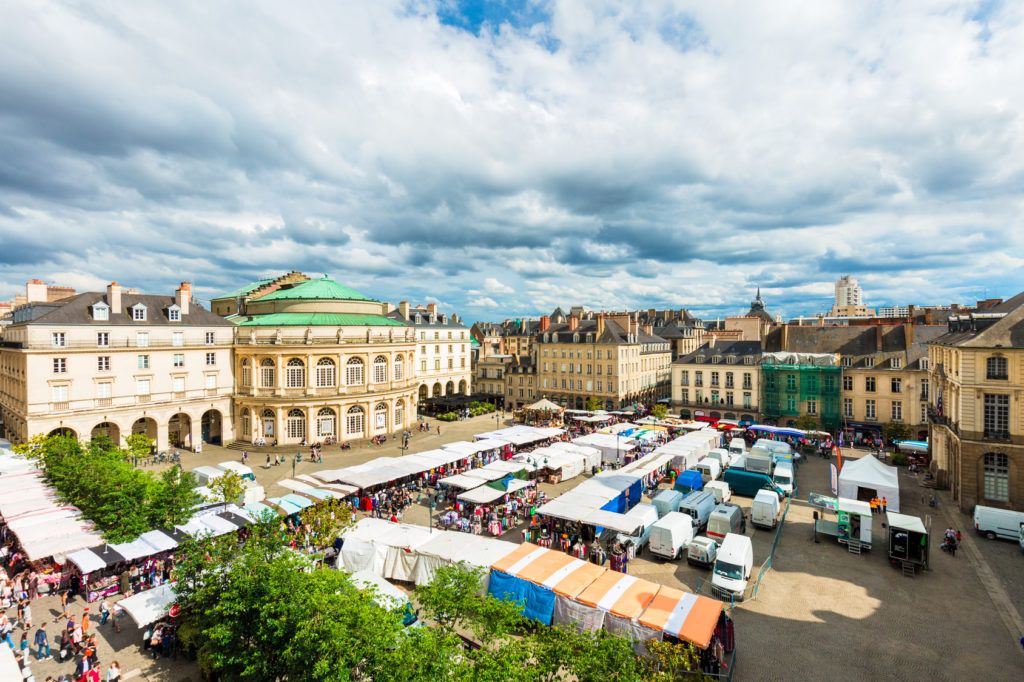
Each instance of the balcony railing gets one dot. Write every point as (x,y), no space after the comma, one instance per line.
(998,436)
(104,402)
(114,344)
(61,406)
(143,398)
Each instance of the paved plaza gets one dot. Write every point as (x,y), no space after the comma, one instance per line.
(822,613)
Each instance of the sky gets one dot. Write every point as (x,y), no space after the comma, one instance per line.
(507,157)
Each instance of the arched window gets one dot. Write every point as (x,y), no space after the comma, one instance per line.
(355,423)
(575,338)
(268,423)
(245,421)
(325,372)
(295,373)
(380,417)
(399,414)
(397,373)
(380,369)
(996,368)
(325,422)
(295,424)
(997,476)
(354,372)
(267,378)
(246,373)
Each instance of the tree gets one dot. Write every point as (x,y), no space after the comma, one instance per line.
(326,521)
(806,422)
(172,498)
(594,404)
(32,447)
(227,488)
(659,411)
(669,660)
(139,445)
(895,431)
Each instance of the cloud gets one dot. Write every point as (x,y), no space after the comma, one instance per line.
(512,156)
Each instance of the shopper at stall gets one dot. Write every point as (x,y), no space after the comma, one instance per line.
(42,643)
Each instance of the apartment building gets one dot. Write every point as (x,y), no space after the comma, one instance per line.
(719,380)
(443,362)
(115,363)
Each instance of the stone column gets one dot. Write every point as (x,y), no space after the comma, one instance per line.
(162,437)
(310,375)
(311,417)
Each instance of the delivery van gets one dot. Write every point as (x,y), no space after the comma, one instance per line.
(722,456)
(648,515)
(688,481)
(667,501)
(721,491)
(764,512)
(759,460)
(710,469)
(671,535)
(737,447)
(726,518)
(997,523)
(784,477)
(246,473)
(701,552)
(748,483)
(733,565)
(698,505)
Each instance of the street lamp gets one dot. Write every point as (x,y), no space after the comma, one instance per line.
(298,457)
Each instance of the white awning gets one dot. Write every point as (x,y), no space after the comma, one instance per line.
(159,540)
(485,494)
(86,560)
(608,519)
(462,482)
(149,606)
(136,549)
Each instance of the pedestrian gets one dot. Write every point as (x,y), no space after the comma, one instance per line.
(114,672)
(885,503)
(104,611)
(26,616)
(85,620)
(439,429)
(245,457)
(268,461)
(42,643)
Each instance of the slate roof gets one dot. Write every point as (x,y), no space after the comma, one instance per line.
(77,310)
(740,349)
(441,321)
(613,333)
(981,330)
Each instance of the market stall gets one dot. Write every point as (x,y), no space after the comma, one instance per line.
(449,547)
(543,413)
(865,478)
(387,549)
(149,606)
(611,596)
(613,448)
(536,576)
(683,616)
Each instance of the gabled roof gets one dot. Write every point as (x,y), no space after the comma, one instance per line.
(323,289)
(77,310)
(740,349)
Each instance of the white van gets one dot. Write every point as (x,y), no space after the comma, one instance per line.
(725,519)
(648,515)
(710,469)
(722,456)
(733,565)
(737,447)
(997,523)
(764,512)
(671,535)
(784,477)
(698,505)
(205,475)
(246,473)
(720,489)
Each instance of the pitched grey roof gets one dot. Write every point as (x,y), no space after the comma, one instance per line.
(77,310)
(740,349)
(441,320)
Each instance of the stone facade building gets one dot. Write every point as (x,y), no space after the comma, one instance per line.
(116,362)
(720,380)
(976,371)
(443,365)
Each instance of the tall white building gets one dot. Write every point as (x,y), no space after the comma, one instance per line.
(894,311)
(849,299)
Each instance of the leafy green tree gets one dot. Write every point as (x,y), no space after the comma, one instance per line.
(326,521)
(138,445)
(659,411)
(33,446)
(594,404)
(895,431)
(669,661)
(806,422)
(227,488)
(172,498)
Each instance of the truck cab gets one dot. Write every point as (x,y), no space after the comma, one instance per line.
(733,566)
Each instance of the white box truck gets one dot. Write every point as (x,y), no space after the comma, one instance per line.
(671,535)
(698,505)
(726,518)
(737,447)
(733,565)
(997,523)
(720,489)
(648,515)
(722,456)
(710,469)
(764,512)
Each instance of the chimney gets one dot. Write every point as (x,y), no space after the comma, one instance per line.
(785,338)
(600,325)
(432,308)
(35,291)
(183,296)
(114,298)
(712,341)
(908,334)
(403,309)
(545,323)
(574,323)
(648,328)
(878,338)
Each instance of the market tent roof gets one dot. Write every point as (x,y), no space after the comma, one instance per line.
(521,434)
(9,669)
(469,449)
(158,540)
(619,428)
(484,494)
(572,507)
(258,510)
(485,474)
(683,615)
(545,404)
(86,560)
(387,595)
(461,481)
(507,466)
(149,606)
(300,486)
(558,571)
(647,464)
(108,555)
(608,519)
(288,506)
(136,549)
(218,525)
(906,522)
(623,595)
(867,472)
(606,441)
(593,419)
(477,550)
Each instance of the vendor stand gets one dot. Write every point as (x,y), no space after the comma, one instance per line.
(908,542)
(542,413)
(852,525)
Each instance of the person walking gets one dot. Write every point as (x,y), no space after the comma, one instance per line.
(26,616)
(42,643)
(104,611)
(114,672)
(885,503)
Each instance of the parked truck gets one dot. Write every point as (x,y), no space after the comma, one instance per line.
(747,483)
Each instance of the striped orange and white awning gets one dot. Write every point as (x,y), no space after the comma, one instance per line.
(683,615)
(563,574)
(625,596)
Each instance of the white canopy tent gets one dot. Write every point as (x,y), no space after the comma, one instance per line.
(449,547)
(461,481)
(591,454)
(9,669)
(384,548)
(613,448)
(149,606)
(387,595)
(867,477)
(622,523)
(468,449)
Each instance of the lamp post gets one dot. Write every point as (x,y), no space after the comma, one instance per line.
(298,456)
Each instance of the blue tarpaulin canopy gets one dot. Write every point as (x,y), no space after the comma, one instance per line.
(538,602)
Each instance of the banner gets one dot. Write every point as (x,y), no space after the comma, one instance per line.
(833,475)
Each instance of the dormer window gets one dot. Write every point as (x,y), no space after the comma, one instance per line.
(138,312)
(716,359)
(869,362)
(174,313)
(576,338)
(590,338)
(847,361)
(730,359)
(100,311)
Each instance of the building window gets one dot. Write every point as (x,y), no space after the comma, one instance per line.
(924,413)
(102,339)
(869,362)
(847,383)
(896,385)
(846,362)
(267,375)
(177,338)
(142,387)
(747,400)
(325,372)
(355,418)
(869,384)
(246,421)
(869,409)
(812,407)
(399,414)
(924,364)
(437,364)
(354,372)
(997,415)
(139,312)
(790,404)
(59,394)
(924,389)
(462,363)
(103,363)
(174,314)
(211,338)
(399,374)
(142,361)
(59,339)
(728,380)
(698,378)
(997,476)
(179,360)
(246,372)
(996,368)
(714,378)
(325,422)
(790,382)
(848,408)
(380,369)
(100,312)
(897,363)
(104,390)
(897,410)
(211,359)
(294,373)
(178,384)
(423,365)
(142,339)
(747,381)
(295,424)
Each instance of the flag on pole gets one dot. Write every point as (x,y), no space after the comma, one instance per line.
(938,401)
